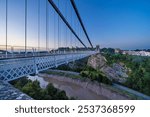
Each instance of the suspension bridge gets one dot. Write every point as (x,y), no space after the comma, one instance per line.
(51,33)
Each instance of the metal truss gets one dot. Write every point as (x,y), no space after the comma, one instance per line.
(12,69)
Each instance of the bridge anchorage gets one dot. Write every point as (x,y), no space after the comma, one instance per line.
(53,27)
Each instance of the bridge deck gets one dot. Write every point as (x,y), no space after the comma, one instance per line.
(11,69)
(8,92)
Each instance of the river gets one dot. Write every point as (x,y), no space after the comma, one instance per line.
(71,89)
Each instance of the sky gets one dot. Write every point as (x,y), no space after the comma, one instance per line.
(121,24)
(117,23)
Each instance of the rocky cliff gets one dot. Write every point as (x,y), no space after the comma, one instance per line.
(116,72)
(97,61)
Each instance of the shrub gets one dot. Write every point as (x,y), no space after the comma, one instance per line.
(95,75)
(33,89)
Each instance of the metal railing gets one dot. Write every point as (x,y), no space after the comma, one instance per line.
(19,51)
(11,69)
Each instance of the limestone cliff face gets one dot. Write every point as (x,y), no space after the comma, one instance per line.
(117,72)
(97,61)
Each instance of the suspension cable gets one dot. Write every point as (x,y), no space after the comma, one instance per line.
(6,25)
(66,6)
(71,25)
(54,30)
(65,21)
(80,20)
(38,25)
(58,27)
(78,33)
(46,25)
(25,27)
(75,28)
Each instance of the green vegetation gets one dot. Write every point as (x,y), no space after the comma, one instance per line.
(95,75)
(108,50)
(69,75)
(139,75)
(86,73)
(84,70)
(33,89)
(76,66)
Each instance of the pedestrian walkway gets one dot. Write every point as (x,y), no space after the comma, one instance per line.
(8,92)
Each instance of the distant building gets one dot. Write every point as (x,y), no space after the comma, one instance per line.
(137,53)
(124,52)
(118,51)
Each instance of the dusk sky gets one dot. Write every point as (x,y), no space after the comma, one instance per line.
(121,24)
(117,23)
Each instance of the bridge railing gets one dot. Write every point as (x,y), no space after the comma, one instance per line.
(19,51)
(11,69)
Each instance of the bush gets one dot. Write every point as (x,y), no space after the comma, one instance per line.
(76,66)
(139,76)
(95,75)
(33,89)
